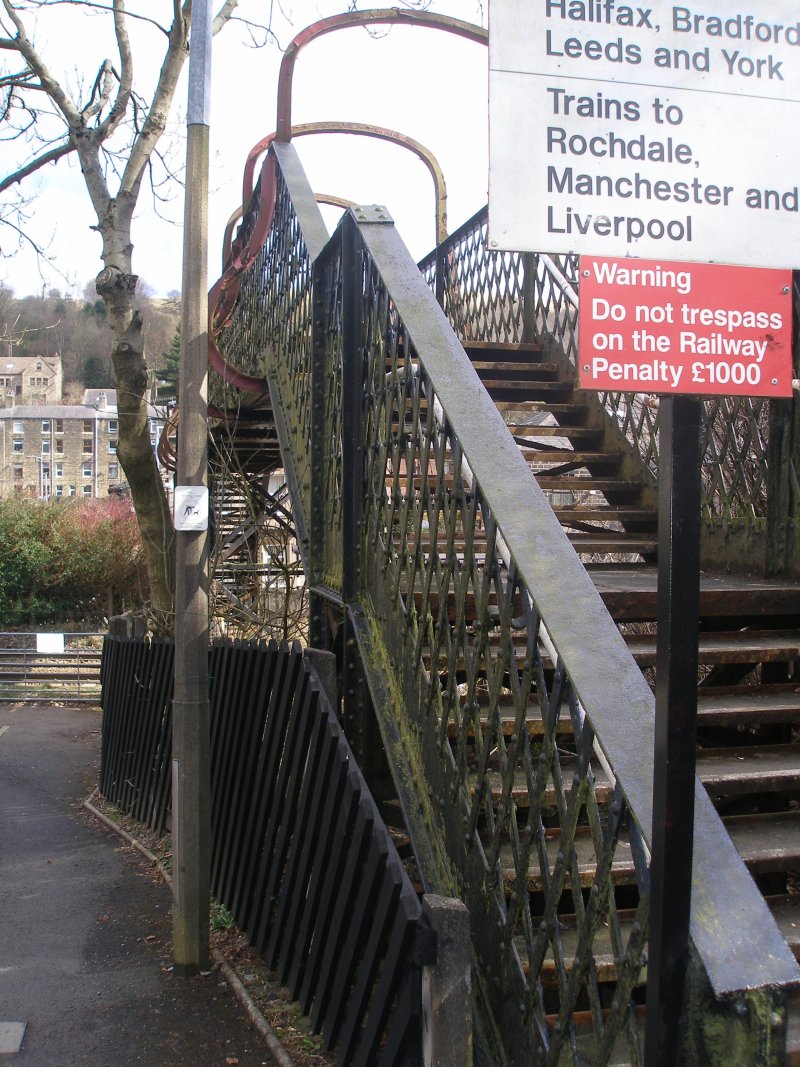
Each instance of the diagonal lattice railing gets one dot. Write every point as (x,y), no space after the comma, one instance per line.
(494,296)
(518,727)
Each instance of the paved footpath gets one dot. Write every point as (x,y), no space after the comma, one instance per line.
(85,922)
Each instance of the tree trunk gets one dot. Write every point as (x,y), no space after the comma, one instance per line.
(135,450)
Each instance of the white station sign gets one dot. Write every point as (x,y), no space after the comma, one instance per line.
(664,131)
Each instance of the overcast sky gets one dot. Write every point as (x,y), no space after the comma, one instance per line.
(423,83)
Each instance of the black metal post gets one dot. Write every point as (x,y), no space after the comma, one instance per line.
(675,728)
(352,479)
(319,635)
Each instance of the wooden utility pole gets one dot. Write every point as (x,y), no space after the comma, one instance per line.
(191,785)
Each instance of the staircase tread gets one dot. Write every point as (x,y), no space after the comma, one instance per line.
(603,952)
(622,868)
(762,768)
(632,593)
(529,366)
(773,703)
(501,346)
(522,433)
(737,646)
(603,787)
(786,913)
(766,842)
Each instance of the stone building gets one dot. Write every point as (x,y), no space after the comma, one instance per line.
(61,450)
(30,380)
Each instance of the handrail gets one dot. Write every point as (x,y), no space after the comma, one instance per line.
(605,676)
(238,214)
(364,129)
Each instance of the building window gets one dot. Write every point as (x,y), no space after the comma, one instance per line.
(87,446)
(88,426)
(112,447)
(60,446)
(59,490)
(113,426)
(87,490)
(72,490)
(87,470)
(45,448)
(17,446)
(17,472)
(19,426)
(59,470)
(113,471)
(59,425)
(45,426)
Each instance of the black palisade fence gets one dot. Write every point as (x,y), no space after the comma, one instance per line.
(300,854)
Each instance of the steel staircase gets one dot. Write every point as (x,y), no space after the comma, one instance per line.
(514,723)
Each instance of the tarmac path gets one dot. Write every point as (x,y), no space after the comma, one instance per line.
(85,922)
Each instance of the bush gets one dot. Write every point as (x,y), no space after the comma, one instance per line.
(64,560)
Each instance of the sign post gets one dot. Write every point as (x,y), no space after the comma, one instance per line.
(674,762)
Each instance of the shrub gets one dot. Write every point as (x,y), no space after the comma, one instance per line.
(65,559)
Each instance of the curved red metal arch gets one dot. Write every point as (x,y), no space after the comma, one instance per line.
(370,17)
(362,129)
(222,296)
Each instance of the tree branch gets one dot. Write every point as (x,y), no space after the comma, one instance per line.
(36,164)
(96,7)
(120,106)
(223,15)
(25,47)
(156,120)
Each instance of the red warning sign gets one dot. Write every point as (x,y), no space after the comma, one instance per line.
(652,327)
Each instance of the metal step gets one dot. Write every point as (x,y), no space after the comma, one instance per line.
(741,646)
(631,594)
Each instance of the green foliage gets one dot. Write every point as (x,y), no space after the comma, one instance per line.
(96,374)
(220,918)
(59,559)
(167,374)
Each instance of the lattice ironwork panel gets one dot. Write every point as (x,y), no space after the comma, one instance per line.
(270,328)
(484,296)
(482,290)
(330,398)
(543,839)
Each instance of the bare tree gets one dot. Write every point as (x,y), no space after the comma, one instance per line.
(115,134)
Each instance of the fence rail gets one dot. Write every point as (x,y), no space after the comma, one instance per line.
(300,854)
(50,667)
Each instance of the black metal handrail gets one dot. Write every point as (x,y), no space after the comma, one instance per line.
(471,606)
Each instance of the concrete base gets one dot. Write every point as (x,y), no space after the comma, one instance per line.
(11,1037)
